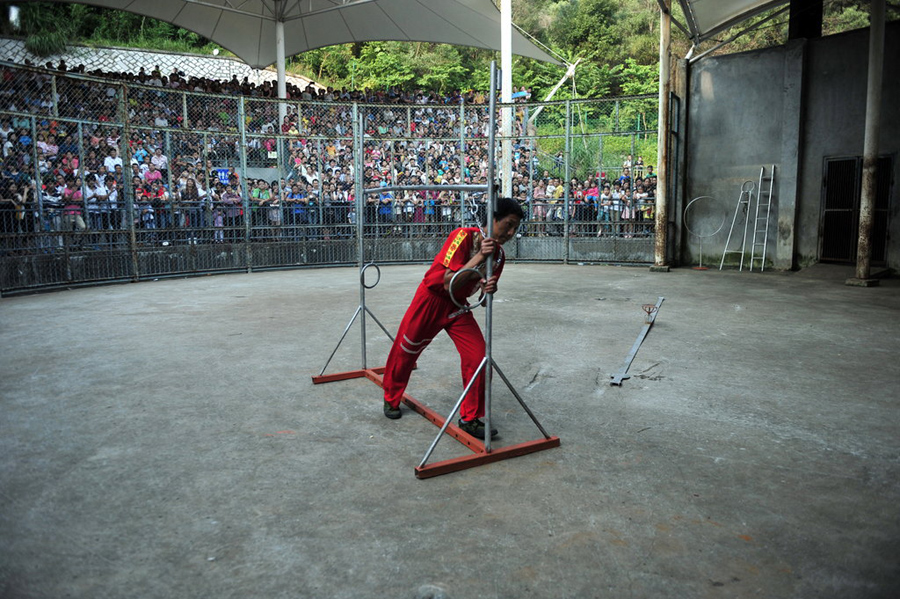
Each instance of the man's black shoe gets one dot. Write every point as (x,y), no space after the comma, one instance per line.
(391,412)
(475,428)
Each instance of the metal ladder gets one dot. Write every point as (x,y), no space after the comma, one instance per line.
(743,204)
(761,221)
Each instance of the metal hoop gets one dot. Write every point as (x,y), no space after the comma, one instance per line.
(481,299)
(362,275)
(691,231)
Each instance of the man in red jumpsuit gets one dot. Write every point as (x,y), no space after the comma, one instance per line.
(432,310)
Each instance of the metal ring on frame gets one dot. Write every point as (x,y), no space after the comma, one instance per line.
(481,299)
(362,275)
(685,219)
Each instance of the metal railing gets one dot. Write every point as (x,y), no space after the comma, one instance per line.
(107,180)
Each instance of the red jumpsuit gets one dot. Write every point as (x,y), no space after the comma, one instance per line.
(431,311)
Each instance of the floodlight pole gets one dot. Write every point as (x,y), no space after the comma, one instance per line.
(280,60)
(506,96)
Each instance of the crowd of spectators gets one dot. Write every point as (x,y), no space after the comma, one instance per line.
(177,175)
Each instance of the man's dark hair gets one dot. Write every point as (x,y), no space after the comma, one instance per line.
(507,206)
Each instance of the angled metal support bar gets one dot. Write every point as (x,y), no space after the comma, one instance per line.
(344,376)
(435,418)
(361,311)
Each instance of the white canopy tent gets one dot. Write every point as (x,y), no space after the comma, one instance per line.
(263,32)
(707,18)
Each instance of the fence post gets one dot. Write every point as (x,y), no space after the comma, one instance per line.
(55,96)
(128,194)
(600,164)
(321,170)
(529,196)
(245,193)
(38,179)
(566,185)
(81,169)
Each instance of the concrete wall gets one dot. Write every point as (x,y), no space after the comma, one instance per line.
(835,121)
(791,106)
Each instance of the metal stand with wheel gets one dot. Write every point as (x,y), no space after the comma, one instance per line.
(361,312)
(698,230)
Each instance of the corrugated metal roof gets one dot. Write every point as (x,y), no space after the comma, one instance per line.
(706,18)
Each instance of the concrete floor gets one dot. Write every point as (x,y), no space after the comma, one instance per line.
(164,440)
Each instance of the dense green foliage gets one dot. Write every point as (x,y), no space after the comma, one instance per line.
(616,40)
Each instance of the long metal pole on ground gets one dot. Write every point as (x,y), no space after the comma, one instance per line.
(662,142)
(870,144)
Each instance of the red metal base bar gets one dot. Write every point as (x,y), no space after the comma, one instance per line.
(480,456)
(343,376)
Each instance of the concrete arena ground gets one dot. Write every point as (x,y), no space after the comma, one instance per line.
(164,440)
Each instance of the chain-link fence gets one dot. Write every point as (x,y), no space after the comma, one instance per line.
(108,180)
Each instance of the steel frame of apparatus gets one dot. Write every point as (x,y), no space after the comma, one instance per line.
(483,453)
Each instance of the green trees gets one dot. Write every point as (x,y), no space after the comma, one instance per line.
(616,40)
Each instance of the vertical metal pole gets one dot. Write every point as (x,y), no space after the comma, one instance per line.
(360,215)
(168,152)
(462,161)
(358,183)
(489,271)
(36,171)
(81,171)
(600,163)
(531,155)
(245,193)
(184,111)
(506,93)
(168,139)
(127,191)
(661,223)
(321,170)
(279,62)
(54,100)
(870,143)
(567,187)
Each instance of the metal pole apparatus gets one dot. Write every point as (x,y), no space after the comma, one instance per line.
(358,133)
(488,364)
(362,310)
(483,453)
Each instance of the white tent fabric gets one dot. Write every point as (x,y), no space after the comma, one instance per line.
(248,27)
(706,18)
